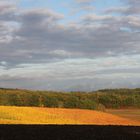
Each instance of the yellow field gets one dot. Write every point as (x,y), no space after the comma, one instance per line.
(38,115)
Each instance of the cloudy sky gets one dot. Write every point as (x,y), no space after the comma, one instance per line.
(69,44)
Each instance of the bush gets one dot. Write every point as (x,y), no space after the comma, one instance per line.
(71,102)
(87,104)
(51,102)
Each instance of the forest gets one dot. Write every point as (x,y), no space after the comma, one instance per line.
(96,100)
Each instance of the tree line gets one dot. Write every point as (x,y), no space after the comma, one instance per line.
(96,100)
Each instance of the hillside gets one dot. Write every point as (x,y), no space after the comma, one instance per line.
(38,115)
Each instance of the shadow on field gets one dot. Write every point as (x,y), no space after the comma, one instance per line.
(68,132)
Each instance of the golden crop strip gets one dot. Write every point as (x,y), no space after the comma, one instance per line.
(38,115)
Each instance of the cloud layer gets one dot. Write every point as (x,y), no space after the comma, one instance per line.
(36,43)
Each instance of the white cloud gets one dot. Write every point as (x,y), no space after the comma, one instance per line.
(77,68)
(4,63)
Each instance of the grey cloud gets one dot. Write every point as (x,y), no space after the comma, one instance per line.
(117,10)
(41,42)
(7,22)
(80,74)
(40,36)
(79,68)
(39,15)
(7,12)
(97,51)
(132,8)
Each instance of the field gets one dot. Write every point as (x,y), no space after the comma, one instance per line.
(40,115)
(133,114)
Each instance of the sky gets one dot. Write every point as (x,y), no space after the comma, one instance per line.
(73,45)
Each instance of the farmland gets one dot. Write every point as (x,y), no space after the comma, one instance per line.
(40,115)
(104,107)
(133,114)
